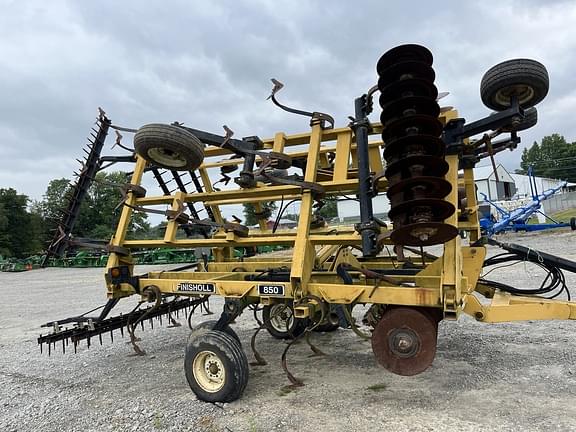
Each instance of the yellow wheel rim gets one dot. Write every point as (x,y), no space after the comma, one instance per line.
(209,371)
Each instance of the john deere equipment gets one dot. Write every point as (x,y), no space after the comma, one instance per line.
(419,154)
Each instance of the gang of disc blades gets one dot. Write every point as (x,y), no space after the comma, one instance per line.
(403,53)
(408,234)
(405,70)
(440,209)
(408,106)
(408,145)
(432,166)
(407,87)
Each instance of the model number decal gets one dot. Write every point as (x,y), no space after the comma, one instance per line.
(271,290)
(196,287)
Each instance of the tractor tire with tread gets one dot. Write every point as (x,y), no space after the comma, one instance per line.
(527,79)
(168,146)
(216,368)
(209,325)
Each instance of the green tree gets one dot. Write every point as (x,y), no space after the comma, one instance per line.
(553,158)
(98,215)
(250,217)
(329,209)
(18,228)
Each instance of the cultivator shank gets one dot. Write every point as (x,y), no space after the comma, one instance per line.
(420,155)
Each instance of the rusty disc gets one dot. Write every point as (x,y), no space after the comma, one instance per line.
(402,53)
(431,166)
(406,70)
(407,106)
(414,145)
(404,341)
(439,209)
(431,187)
(427,125)
(423,234)
(407,87)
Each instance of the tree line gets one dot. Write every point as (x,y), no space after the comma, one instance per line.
(553,157)
(27,226)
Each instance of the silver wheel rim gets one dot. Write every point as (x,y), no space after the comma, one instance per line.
(209,371)
(281,317)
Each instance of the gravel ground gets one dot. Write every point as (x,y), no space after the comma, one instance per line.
(503,377)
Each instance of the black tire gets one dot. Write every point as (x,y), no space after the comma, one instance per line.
(168,146)
(573,223)
(525,78)
(280,322)
(530,120)
(209,325)
(326,328)
(216,368)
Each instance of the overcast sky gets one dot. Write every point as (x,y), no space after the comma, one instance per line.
(208,63)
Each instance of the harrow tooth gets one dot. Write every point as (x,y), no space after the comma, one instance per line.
(100,338)
(63,346)
(112,336)
(122,331)
(78,191)
(88,341)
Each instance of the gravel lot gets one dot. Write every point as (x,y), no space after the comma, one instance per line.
(513,376)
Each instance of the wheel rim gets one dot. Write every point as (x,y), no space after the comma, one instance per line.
(209,371)
(281,318)
(403,342)
(523,92)
(164,156)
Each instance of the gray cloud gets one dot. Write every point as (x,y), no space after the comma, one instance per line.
(209,64)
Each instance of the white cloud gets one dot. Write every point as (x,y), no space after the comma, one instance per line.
(209,64)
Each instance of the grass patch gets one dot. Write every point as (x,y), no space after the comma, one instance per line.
(286,390)
(377,387)
(564,215)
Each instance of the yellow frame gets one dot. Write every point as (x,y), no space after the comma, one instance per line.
(449,283)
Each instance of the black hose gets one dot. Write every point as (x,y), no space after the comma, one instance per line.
(554,284)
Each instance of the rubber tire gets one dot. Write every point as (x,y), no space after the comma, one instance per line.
(234,361)
(209,325)
(506,75)
(298,326)
(573,223)
(530,120)
(185,152)
(326,328)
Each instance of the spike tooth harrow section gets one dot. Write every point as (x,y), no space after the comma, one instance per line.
(86,329)
(414,152)
(79,190)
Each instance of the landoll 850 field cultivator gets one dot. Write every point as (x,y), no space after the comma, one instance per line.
(420,155)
